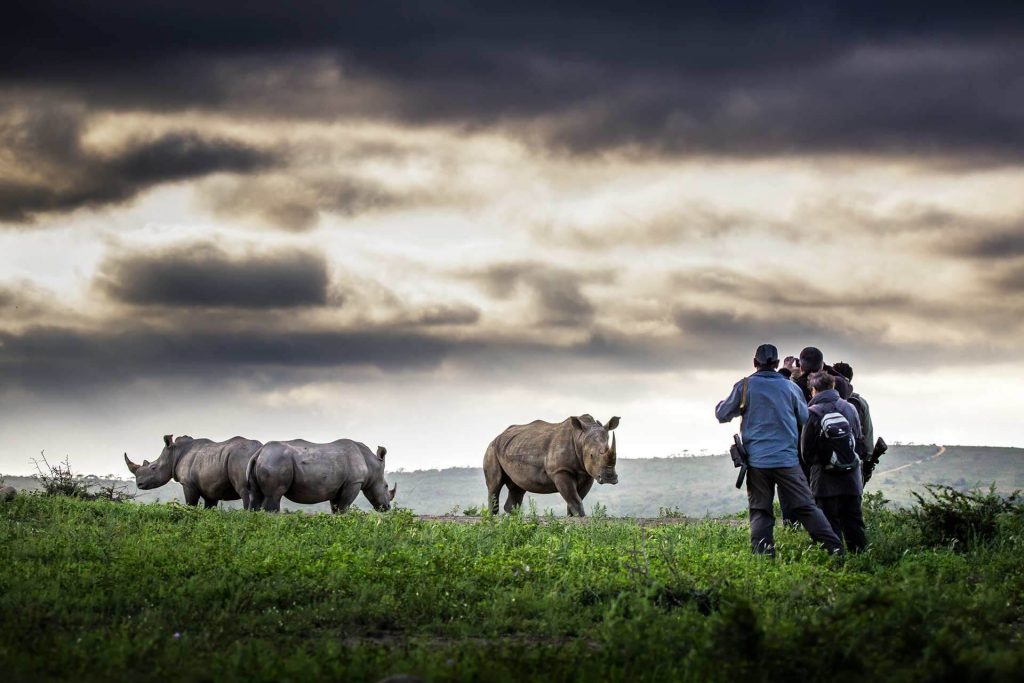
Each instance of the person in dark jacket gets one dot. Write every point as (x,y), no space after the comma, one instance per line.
(838,494)
(813,360)
(773,409)
(867,425)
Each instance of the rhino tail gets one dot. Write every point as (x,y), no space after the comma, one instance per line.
(250,475)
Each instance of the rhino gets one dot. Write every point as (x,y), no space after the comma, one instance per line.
(211,470)
(543,457)
(306,472)
(8,493)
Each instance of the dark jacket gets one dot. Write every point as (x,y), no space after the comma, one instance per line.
(816,450)
(843,385)
(867,425)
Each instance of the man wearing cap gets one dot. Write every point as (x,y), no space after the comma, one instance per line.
(773,411)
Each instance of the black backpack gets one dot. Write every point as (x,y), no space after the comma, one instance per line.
(837,433)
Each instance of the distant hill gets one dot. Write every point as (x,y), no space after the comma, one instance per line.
(695,486)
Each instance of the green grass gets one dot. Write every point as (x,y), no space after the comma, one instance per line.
(94,590)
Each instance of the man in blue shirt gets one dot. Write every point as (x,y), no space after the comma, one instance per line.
(773,411)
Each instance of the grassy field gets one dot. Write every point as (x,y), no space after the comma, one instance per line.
(94,590)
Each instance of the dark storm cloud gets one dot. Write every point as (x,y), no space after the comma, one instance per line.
(1000,244)
(710,77)
(51,357)
(203,275)
(556,293)
(56,172)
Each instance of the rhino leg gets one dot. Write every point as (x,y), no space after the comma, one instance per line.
(255,499)
(245,499)
(191,494)
(566,485)
(209,502)
(515,497)
(494,476)
(272,503)
(343,501)
(583,488)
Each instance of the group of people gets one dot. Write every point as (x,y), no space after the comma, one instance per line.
(806,432)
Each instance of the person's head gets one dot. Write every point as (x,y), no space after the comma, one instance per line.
(820,381)
(766,357)
(844,369)
(811,360)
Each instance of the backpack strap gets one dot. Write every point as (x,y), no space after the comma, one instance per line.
(744,395)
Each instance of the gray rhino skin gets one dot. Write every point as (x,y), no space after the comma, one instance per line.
(7,493)
(211,470)
(306,472)
(542,457)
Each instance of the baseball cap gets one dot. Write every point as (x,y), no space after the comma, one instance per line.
(766,353)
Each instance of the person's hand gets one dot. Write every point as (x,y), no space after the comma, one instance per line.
(790,363)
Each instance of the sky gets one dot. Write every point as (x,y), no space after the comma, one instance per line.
(414,224)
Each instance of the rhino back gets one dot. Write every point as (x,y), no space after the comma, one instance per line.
(208,465)
(530,453)
(321,469)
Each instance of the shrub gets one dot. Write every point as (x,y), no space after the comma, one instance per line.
(960,518)
(58,480)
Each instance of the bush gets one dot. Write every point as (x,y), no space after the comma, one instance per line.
(58,480)
(961,518)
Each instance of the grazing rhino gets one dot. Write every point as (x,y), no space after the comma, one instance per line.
(305,472)
(542,457)
(7,493)
(211,470)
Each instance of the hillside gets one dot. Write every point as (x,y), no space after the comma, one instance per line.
(695,486)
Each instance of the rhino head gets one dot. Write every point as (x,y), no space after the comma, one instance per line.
(377,491)
(151,475)
(597,454)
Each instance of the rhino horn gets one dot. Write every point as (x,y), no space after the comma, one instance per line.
(613,453)
(132,467)
(381,452)
(393,491)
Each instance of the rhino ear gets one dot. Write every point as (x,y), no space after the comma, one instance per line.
(381,452)
(612,423)
(576,423)
(168,438)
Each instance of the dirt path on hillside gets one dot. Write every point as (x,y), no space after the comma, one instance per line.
(936,454)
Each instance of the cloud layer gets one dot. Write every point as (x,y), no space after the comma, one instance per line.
(203,275)
(398,214)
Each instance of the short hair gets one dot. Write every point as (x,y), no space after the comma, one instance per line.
(844,369)
(821,381)
(811,359)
